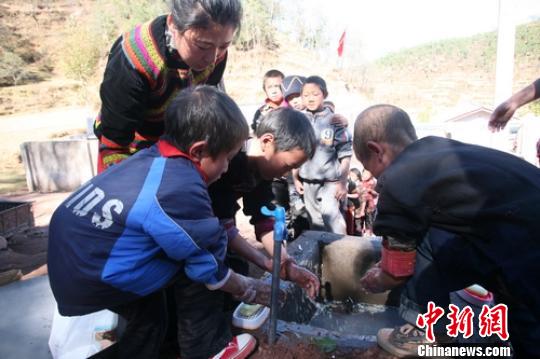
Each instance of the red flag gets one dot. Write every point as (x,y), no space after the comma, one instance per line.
(341,44)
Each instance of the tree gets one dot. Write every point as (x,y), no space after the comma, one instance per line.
(258,28)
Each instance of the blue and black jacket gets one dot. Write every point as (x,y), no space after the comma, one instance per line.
(127,233)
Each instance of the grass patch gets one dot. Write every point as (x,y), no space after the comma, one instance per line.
(12,180)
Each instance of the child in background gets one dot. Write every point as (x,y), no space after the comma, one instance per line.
(354,187)
(274,97)
(292,91)
(323,179)
(147,224)
(272,82)
(298,221)
(368,203)
(284,140)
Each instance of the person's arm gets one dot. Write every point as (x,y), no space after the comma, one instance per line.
(250,290)
(403,219)
(343,147)
(239,245)
(289,269)
(200,242)
(123,94)
(395,267)
(297,183)
(344,165)
(504,112)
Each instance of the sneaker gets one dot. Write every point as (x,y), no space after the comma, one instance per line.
(238,348)
(402,341)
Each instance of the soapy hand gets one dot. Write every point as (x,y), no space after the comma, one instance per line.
(255,291)
(377,280)
(301,276)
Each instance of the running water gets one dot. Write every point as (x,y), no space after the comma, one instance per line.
(349,318)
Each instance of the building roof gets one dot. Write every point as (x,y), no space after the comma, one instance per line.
(474,112)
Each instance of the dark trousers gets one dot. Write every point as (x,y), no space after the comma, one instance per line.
(446,262)
(202,327)
(145,328)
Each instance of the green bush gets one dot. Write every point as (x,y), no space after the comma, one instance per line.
(91,36)
(12,68)
(80,54)
(258,29)
(111,18)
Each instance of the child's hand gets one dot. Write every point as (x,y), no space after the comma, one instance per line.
(377,280)
(302,277)
(339,120)
(299,186)
(255,291)
(341,191)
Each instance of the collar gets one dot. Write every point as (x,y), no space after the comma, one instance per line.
(166,149)
(273,104)
(319,111)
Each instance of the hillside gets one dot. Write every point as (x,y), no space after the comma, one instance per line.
(438,76)
(425,80)
(53,52)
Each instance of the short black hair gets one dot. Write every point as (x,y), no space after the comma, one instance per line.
(272,74)
(291,129)
(319,81)
(203,113)
(189,14)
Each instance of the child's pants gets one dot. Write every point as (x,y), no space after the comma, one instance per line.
(446,262)
(203,326)
(323,207)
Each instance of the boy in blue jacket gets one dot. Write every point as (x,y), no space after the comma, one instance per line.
(127,234)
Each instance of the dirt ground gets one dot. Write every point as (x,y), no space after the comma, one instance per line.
(40,126)
(26,252)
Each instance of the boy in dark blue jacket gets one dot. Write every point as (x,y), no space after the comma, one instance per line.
(147,223)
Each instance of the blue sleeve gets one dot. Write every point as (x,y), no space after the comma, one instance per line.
(200,243)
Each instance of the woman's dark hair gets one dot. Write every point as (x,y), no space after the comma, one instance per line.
(204,113)
(188,14)
(291,129)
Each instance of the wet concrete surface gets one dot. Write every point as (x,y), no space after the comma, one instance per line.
(364,320)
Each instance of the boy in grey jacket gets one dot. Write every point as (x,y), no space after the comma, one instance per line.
(323,179)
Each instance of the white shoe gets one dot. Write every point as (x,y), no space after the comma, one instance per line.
(238,348)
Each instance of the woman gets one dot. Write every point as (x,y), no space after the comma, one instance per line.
(148,65)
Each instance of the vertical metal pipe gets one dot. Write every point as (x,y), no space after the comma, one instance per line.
(279,235)
(274,300)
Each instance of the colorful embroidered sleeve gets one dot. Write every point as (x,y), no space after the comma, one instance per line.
(123,95)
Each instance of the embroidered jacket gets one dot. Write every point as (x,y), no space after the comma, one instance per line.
(141,78)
